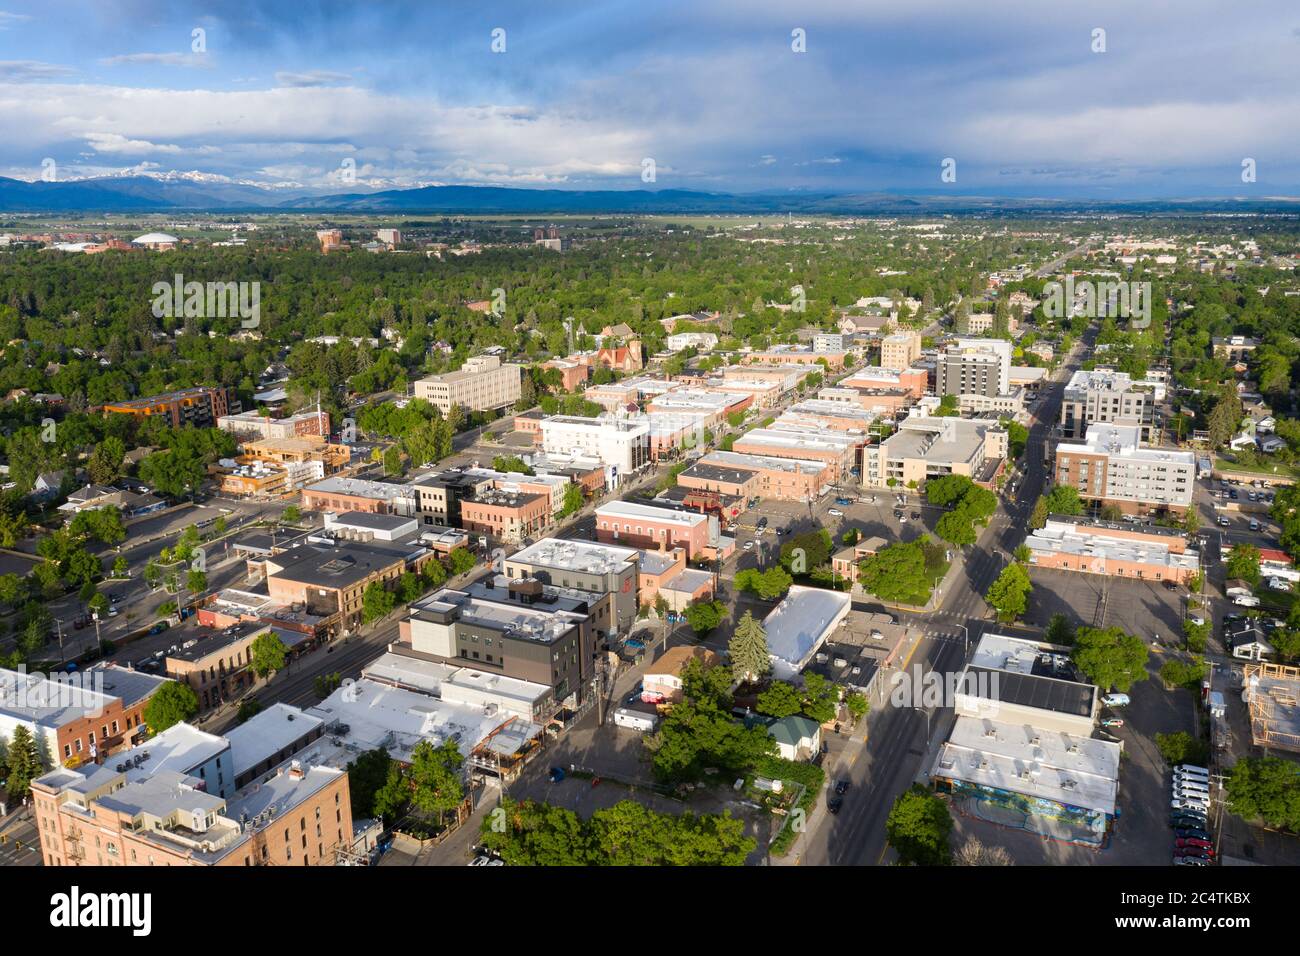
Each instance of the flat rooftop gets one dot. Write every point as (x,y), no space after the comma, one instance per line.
(802,620)
(800,438)
(267,733)
(1125,442)
(704,471)
(1049,540)
(496,610)
(369,522)
(180,749)
(360,488)
(632,509)
(564,554)
(735,459)
(378,715)
(1064,768)
(446,680)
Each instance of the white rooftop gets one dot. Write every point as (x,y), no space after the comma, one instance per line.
(736,459)
(377,715)
(360,487)
(800,624)
(1050,765)
(445,680)
(1125,441)
(1062,537)
(568,555)
(267,733)
(632,509)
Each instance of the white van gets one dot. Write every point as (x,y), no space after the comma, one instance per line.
(1246,600)
(1192,768)
(1190,803)
(1188,785)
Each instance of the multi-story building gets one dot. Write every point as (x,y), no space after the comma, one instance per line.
(200,407)
(254,425)
(509,627)
(330,581)
(926,447)
(1113,467)
(644,526)
(700,341)
(911,380)
(974,367)
(789,479)
(716,405)
(78,717)
(296,815)
(482,383)
(899,350)
(510,516)
(216,665)
(1234,348)
(836,449)
(1108,397)
(622,444)
(605,570)
(794,355)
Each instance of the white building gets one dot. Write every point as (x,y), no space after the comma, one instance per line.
(1112,466)
(700,341)
(800,624)
(623,445)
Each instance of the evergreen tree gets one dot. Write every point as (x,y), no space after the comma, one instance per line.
(750,658)
(23,762)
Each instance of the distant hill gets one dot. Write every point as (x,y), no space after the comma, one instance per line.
(150,194)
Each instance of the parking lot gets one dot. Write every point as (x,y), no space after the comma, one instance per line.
(784,518)
(1148,609)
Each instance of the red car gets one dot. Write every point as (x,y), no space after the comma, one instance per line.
(1195,852)
(1194,842)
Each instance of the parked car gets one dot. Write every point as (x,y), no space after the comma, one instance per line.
(834,803)
(1224,522)
(1192,768)
(1171,585)
(1189,803)
(835,514)
(749,546)
(1190,861)
(1112,722)
(1115,700)
(1194,853)
(844,501)
(902,519)
(841,787)
(1194,842)
(1191,833)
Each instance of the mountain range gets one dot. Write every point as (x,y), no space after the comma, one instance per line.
(142,194)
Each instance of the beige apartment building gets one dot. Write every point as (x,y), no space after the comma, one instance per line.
(899,350)
(482,383)
(1113,467)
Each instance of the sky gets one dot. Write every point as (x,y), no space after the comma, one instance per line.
(1021,97)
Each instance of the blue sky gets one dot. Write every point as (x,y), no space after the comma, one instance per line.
(408,94)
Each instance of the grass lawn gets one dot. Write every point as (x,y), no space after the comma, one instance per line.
(1267,469)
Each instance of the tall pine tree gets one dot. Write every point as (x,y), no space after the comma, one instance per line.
(750,658)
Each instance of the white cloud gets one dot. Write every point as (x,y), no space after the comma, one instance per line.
(10,19)
(22,70)
(158,59)
(311,78)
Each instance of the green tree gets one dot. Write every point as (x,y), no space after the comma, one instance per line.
(780,700)
(1243,563)
(956,527)
(460,561)
(1110,658)
(1064,500)
(750,659)
(367,775)
(1039,517)
(376,602)
(172,703)
(23,763)
(1009,594)
(573,500)
(248,709)
(435,778)
(704,616)
(918,828)
(1060,630)
(267,654)
(292,514)
(1265,788)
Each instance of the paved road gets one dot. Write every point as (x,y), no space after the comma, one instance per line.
(900,739)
